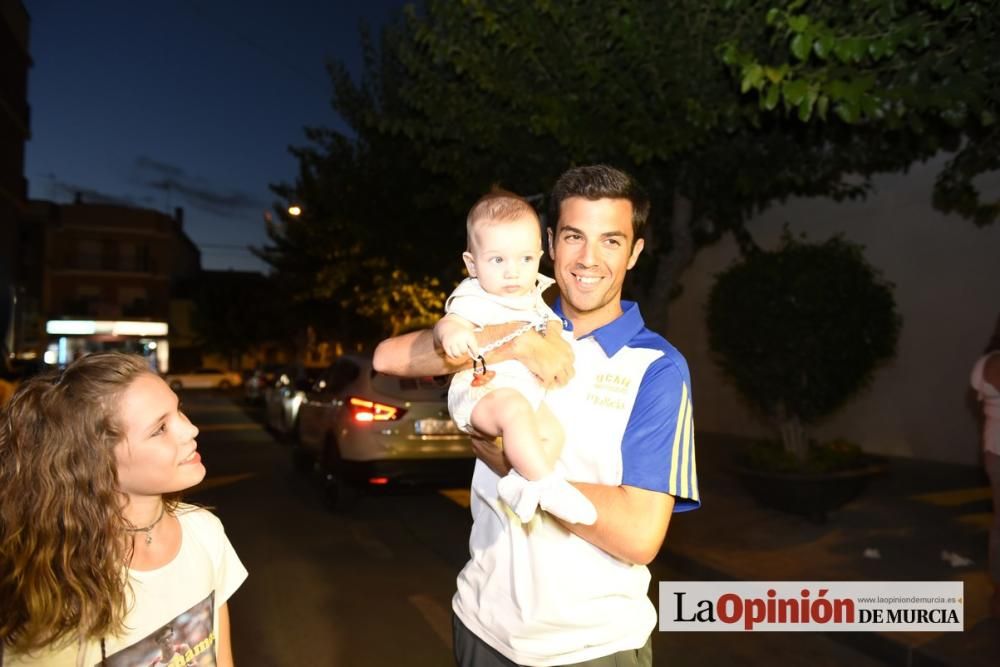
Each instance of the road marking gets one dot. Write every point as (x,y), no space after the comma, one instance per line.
(956,497)
(436,616)
(457,496)
(375,547)
(221,480)
(208,428)
(981,520)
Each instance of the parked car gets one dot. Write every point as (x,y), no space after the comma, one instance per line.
(283,397)
(361,428)
(259,379)
(203,378)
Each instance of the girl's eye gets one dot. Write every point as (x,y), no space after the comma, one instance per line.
(161,429)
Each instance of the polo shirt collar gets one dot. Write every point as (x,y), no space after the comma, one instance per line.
(614,335)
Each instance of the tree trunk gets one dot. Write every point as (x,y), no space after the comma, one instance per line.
(793,436)
(670,265)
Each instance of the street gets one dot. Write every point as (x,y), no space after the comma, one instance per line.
(372,585)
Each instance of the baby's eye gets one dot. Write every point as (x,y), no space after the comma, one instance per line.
(527,259)
(496,260)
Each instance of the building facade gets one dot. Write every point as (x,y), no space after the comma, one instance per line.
(109,276)
(14,132)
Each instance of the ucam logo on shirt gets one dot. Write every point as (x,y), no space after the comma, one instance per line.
(854,606)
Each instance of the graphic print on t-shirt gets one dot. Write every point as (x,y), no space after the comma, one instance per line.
(186,641)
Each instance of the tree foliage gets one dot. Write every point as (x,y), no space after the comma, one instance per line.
(717,107)
(925,70)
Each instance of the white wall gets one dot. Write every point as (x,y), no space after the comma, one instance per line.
(947,277)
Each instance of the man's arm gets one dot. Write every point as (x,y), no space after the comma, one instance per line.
(415,354)
(631,522)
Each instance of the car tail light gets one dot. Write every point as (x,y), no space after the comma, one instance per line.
(363,410)
(378,481)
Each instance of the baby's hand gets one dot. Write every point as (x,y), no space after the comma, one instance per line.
(460,344)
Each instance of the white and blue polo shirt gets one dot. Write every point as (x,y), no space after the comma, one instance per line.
(539,594)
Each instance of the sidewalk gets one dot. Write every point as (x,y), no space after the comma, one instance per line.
(918,510)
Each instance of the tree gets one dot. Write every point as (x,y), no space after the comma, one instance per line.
(924,70)
(801,329)
(524,89)
(471,93)
(235,311)
(369,210)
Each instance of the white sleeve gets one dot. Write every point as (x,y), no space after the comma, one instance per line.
(229,572)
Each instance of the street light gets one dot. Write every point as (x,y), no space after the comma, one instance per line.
(295,210)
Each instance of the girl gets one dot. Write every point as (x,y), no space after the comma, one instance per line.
(97,554)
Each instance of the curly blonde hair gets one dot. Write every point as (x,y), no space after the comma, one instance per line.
(63,550)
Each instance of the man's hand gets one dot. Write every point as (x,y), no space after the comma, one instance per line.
(491,453)
(549,357)
(415,354)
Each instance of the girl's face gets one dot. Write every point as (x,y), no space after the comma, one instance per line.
(158,454)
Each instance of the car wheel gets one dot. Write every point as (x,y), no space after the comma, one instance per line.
(302,459)
(176,385)
(225,384)
(339,492)
(290,432)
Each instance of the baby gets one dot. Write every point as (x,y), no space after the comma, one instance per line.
(504,248)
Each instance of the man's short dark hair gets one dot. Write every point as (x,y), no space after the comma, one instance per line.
(600,181)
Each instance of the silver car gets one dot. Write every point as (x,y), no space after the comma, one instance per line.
(361,428)
(282,399)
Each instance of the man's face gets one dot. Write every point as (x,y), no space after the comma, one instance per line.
(504,256)
(591,252)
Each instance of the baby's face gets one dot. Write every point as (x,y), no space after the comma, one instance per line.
(504,256)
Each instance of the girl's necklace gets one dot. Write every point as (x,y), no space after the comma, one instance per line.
(149,529)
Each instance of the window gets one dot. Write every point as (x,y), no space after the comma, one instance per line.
(340,374)
(88,254)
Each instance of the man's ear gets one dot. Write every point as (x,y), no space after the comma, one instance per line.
(636,249)
(470,263)
(552,247)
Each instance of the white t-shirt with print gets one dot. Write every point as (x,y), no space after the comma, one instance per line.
(174,610)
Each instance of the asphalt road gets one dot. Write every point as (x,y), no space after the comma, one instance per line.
(372,586)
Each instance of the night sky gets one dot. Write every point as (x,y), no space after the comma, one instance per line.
(184,103)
